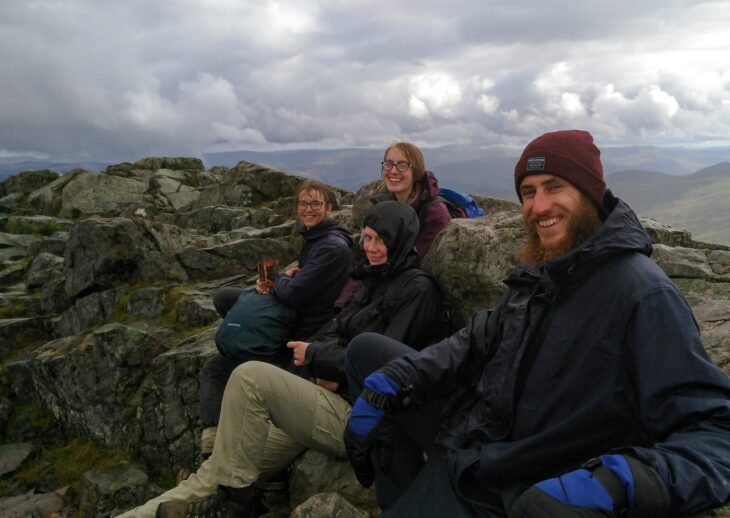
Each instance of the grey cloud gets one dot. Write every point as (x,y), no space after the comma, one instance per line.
(119,81)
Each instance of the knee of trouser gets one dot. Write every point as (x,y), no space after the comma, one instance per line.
(256,373)
(359,349)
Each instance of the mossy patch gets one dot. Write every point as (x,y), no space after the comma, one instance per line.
(14,310)
(40,228)
(27,422)
(61,465)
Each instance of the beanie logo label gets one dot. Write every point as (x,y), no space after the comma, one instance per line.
(536,163)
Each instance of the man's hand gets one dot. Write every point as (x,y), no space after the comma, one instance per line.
(361,431)
(332,386)
(604,491)
(299,350)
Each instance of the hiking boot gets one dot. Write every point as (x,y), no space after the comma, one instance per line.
(209,507)
(243,502)
(226,503)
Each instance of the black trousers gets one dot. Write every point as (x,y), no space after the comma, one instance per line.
(215,372)
(413,486)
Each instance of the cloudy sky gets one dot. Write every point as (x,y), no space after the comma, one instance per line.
(121,80)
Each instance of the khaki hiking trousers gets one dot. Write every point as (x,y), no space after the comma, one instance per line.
(269,416)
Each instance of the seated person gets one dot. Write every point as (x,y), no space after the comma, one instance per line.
(310,288)
(585,393)
(405,179)
(270,416)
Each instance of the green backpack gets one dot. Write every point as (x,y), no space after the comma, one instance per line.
(257,327)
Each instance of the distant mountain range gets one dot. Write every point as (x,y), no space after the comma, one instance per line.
(699,202)
(687,188)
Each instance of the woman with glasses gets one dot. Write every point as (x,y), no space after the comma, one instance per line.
(405,179)
(270,416)
(310,288)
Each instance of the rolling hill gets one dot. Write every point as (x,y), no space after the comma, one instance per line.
(699,202)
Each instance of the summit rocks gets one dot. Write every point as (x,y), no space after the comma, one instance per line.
(106,315)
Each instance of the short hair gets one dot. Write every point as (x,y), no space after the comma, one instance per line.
(414,156)
(320,187)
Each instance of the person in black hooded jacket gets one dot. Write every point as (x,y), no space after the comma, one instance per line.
(585,393)
(270,416)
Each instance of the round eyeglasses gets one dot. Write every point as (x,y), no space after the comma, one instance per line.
(315,205)
(401,166)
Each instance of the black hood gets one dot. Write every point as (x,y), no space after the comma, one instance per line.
(397,225)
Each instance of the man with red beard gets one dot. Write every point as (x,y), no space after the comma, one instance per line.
(585,393)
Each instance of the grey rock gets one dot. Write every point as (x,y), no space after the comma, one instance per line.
(315,472)
(170,186)
(104,492)
(16,240)
(184,198)
(17,333)
(284,230)
(196,309)
(680,262)
(147,302)
(45,268)
(267,183)
(54,244)
(176,163)
(471,257)
(11,202)
(53,298)
(719,261)
(103,252)
(47,199)
(85,193)
(12,456)
(18,303)
(12,253)
(89,383)
(233,258)
(28,181)
(38,225)
(327,504)
(665,234)
(169,409)
(31,505)
(363,201)
(218,218)
(87,311)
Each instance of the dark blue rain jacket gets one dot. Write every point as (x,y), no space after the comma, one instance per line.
(597,352)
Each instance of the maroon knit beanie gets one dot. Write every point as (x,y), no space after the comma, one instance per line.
(569,154)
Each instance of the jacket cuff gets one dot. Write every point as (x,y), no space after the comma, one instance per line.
(652,496)
(310,352)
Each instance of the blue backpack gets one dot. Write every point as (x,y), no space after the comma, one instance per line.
(459,205)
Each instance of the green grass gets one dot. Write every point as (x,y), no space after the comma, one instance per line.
(19,226)
(58,460)
(64,464)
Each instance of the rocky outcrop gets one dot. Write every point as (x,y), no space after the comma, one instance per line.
(106,313)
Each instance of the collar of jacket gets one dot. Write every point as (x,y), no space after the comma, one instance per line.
(323,227)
